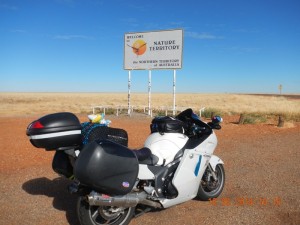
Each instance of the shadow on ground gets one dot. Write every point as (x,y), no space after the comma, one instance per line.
(56,189)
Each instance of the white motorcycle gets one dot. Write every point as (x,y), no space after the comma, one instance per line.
(115,183)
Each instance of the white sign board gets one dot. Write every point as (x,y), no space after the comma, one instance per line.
(153,50)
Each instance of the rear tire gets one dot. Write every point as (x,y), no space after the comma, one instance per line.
(98,215)
(209,188)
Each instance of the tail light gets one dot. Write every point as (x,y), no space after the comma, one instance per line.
(36,125)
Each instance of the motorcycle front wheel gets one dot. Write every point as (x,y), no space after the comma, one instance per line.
(98,215)
(210,188)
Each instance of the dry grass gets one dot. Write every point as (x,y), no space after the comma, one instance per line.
(41,103)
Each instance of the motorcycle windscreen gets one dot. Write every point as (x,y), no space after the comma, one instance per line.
(107,167)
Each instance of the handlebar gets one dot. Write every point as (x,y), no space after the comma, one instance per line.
(195,125)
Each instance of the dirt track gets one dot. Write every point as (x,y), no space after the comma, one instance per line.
(261,164)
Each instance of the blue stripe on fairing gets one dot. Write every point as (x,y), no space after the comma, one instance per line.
(196,172)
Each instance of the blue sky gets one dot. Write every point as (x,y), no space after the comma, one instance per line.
(233,46)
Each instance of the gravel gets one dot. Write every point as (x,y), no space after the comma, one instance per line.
(261,165)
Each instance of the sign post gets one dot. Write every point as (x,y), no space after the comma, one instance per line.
(174,93)
(129,86)
(280,88)
(149,94)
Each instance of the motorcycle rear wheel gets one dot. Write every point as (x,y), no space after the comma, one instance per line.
(98,215)
(209,188)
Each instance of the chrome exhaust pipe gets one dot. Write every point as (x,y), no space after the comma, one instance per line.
(129,200)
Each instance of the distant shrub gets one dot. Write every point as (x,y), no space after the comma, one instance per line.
(208,112)
(110,111)
(139,110)
(160,113)
(249,120)
(255,118)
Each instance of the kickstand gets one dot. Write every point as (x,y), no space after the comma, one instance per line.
(139,211)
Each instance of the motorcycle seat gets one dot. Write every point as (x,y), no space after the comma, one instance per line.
(145,156)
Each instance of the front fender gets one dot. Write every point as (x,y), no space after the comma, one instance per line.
(214,161)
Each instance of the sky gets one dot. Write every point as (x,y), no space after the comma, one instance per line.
(233,46)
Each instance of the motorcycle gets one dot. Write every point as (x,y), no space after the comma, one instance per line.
(115,183)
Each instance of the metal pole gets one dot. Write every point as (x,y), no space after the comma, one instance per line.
(129,86)
(174,89)
(149,93)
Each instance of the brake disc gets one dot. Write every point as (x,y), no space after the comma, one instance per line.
(110,213)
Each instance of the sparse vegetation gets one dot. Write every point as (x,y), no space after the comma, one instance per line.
(258,108)
(255,118)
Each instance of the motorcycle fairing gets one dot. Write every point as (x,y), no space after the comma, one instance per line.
(165,146)
(163,176)
(189,173)
(197,147)
(145,173)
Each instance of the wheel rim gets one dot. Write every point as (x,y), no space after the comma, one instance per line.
(211,186)
(107,214)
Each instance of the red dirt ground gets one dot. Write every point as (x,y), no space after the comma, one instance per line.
(261,164)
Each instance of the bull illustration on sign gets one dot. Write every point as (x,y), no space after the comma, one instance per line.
(139,47)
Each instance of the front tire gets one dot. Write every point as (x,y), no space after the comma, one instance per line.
(210,188)
(98,215)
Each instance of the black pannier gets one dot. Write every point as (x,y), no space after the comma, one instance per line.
(167,124)
(107,167)
(54,131)
(92,131)
(61,164)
